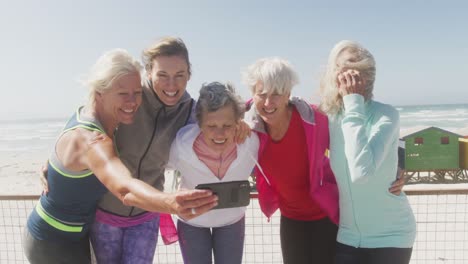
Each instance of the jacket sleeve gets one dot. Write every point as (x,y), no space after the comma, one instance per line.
(365,151)
(326,172)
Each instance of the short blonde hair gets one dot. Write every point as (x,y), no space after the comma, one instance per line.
(275,74)
(109,67)
(362,61)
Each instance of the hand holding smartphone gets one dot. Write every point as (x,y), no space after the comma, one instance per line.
(230,194)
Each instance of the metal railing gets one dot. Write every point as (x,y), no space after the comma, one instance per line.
(441,216)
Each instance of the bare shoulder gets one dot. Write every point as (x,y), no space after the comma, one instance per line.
(72,146)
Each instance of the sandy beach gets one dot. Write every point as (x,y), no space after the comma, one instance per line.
(19,174)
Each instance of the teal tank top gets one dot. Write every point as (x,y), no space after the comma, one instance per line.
(67,211)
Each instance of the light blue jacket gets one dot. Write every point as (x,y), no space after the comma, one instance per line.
(363,156)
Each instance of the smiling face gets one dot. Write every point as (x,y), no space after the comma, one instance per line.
(121,101)
(169,76)
(271,106)
(219,128)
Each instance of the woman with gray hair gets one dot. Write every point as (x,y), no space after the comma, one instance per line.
(375,226)
(84,165)
(207,153)
(293,173)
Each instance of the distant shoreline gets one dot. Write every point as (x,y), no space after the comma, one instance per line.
(23,117)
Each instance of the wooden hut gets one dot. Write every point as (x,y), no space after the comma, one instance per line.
(432,149)
(463,153)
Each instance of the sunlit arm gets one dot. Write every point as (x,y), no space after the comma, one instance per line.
(103,161)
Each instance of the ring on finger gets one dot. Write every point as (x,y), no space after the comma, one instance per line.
(193,211)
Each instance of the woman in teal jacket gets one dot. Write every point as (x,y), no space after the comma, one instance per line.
(375,226)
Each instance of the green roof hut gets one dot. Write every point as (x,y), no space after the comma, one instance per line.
(463,153)
(432,149)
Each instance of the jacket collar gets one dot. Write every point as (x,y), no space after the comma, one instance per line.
(253,119)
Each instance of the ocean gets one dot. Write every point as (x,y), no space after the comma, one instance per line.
(451,117)
(25,144)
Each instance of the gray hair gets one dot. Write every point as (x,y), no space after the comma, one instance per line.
(275,74)
(216,95)
(361,60)
(109,67)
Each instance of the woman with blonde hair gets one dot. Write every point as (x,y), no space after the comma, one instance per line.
(84,165)
(375,227)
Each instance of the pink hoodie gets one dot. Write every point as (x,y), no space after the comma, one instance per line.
(323,188)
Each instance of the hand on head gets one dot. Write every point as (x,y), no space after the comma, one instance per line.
(350,82)
(188,204)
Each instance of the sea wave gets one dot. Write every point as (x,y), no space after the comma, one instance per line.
(448,117)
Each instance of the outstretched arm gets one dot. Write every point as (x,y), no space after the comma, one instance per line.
(103,161)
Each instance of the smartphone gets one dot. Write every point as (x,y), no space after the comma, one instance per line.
(230,194)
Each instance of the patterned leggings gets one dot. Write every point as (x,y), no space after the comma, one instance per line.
(125,245)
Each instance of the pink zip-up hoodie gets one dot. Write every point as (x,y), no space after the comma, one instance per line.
(323,188)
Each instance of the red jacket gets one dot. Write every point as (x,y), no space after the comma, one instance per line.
(323,188)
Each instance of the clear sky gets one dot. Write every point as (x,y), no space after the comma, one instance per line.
(421,47)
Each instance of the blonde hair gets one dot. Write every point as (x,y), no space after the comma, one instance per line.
(361,60)
(275,74)
(109,67)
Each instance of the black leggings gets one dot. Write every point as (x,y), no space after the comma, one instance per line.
(350,255)
(308,242)
(48,252)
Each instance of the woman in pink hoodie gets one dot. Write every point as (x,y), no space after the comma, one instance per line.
(294,174)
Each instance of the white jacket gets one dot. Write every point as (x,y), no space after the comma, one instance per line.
(193,172)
